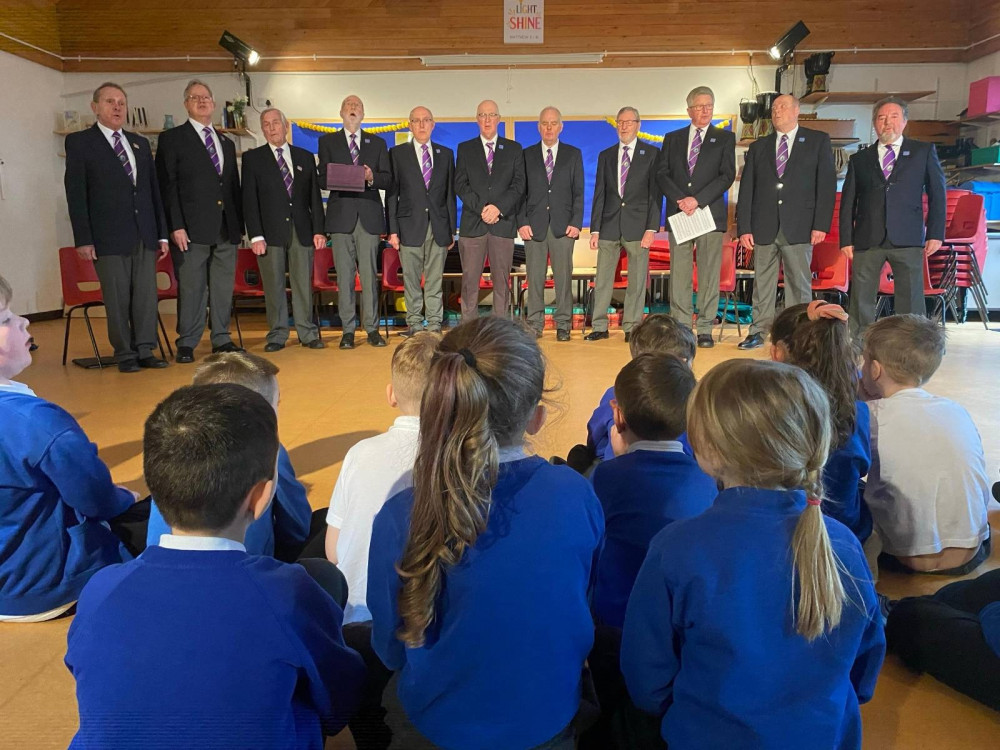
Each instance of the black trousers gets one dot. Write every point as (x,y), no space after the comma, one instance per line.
(368,726)
(941,635)
(907,264)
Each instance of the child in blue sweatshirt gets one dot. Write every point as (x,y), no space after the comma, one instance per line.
(814,336)
(56,495)
(756,624)
(197,643)
(285,529)
(476,603)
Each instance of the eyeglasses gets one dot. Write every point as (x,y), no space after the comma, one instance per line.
(702,107)
(488,116)
(627,122)
(422,121)
(197,98)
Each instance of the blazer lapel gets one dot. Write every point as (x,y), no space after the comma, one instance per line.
(902,160)
(414,160)
(198,138)
(874,160)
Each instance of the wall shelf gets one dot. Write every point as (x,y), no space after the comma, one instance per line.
(859,97)
(983,121)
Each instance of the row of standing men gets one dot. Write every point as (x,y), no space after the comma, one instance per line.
(191,204)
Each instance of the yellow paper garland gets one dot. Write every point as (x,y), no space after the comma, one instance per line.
(401,125)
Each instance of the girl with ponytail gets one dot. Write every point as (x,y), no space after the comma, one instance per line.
(478,576)
(756,624)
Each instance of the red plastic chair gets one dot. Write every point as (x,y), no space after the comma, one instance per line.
(941,291)
(965,236)
(619,282)
(727,286)
(75,271)
(248,283)
(522,288)
(831,270)
(165,266)
(392,282)
(323,280)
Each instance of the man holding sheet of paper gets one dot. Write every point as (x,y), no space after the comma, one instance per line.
(785,207)
(697,168)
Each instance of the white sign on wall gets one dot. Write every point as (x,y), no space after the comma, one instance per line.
(523,21)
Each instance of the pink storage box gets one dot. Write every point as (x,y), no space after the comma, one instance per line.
(984,96)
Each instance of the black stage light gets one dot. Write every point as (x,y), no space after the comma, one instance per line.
(239,49)
(789,41)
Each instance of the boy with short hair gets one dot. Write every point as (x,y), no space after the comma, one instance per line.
(927,488)
(197,643)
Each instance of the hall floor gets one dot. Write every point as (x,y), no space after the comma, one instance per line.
(331,399)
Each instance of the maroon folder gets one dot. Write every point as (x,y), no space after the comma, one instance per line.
(345,177)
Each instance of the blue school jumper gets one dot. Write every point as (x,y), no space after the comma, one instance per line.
(503,659)
(599,429)
(54,493)
(641,492)
(844,468)
(288,517)
(709,641)
(202,649)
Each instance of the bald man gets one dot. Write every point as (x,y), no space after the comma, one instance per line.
(489,178)
(785,207)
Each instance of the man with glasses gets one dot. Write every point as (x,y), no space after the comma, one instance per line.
(200,185)
(489,178)
(625,214)
(697,168)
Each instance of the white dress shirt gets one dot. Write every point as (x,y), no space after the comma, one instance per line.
(659,446)
(555,152)
(200,130)
(14,387)
(200,543)
(109,134)
(492,140)
(791,141)
(419,148)
(897,146)
(631,158)
(286,156)
(691,131)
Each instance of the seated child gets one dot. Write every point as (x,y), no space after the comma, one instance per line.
(284,530)
(655,334)
(953,635)
(56,495)
(928,487)
(814,336)
(755,624)
(478,575)
(197,643)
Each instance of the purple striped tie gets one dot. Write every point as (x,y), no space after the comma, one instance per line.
(489,157)
(285,174)
(782,158)
(695,150)
(426,167)
(888,162)
(212,153)
(354,149)
(549,166)
(122,156)
(626,163)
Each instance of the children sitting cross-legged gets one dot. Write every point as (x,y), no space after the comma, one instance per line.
(478,575)
(197,643)
(755,624)
(814,336)
(928,487)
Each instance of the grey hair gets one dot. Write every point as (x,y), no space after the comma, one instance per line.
(700,91)
(891,100)
(633,110)
(284,120)
(107,85)
(197,82)
(558,113)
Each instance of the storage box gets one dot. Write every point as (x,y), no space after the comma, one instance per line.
(991,196)
(984,96)
(833,128)
(988,155)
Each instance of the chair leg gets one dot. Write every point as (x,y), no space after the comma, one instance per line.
(236,319)
(383,306)
(93,341)
(319,323)
(69,319)
(725,312)
(166,338)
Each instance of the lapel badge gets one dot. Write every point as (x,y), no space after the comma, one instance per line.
(802,139)
(437,151)
(711,140)
(368,140)
(642,152)
(299,168)
(499,147)
(905,153)
(136,145)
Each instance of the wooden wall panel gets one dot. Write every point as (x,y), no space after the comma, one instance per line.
(36,23)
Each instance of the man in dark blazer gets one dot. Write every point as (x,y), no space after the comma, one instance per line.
(200,184)
(697,168)
(625,213)
(785,206)
(489,178)
(422,214)
(881,214)
(114,207)
(549,220)
(354,220)
(284,216)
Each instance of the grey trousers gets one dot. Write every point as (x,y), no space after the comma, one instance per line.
(357,250)
(709,247)
(795,260)
(299,259)
(538,254)
(423,264)
(907,265)
(205,276)
(474,251)
(128,286)
(635,294)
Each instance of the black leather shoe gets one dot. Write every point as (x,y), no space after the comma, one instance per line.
(227,347)
(129,365)
(273,346)
(152,363)
(752,341)
(596,336)
(185,355)
(347,341)
(375,338)
(314,344)
(562,335)
(705,341)
(628,336)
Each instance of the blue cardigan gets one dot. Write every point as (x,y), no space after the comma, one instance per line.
(709,641)
(501,666)
(287,519)
(182,648)
(641,492)
(599,429)
(844,469)
(54,493)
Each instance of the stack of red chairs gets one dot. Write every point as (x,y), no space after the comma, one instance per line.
(965,238)
(727,286)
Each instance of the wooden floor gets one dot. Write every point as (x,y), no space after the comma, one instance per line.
(331,399)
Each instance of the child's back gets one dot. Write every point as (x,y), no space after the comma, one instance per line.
(845,467)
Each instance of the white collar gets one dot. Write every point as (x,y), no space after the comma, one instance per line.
(896,144)
(492,140)
(791,133)
(200,543)
(406,422)
(286,149)
(694,128)
(511,453)
(554,146)
(660,446)
(200,129)
(630,145)
(348,134)
(108,132)
(14,387)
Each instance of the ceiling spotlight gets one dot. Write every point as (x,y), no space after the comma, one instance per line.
(242,51)
(789,41)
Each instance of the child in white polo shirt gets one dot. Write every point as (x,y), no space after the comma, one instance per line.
(927,488)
